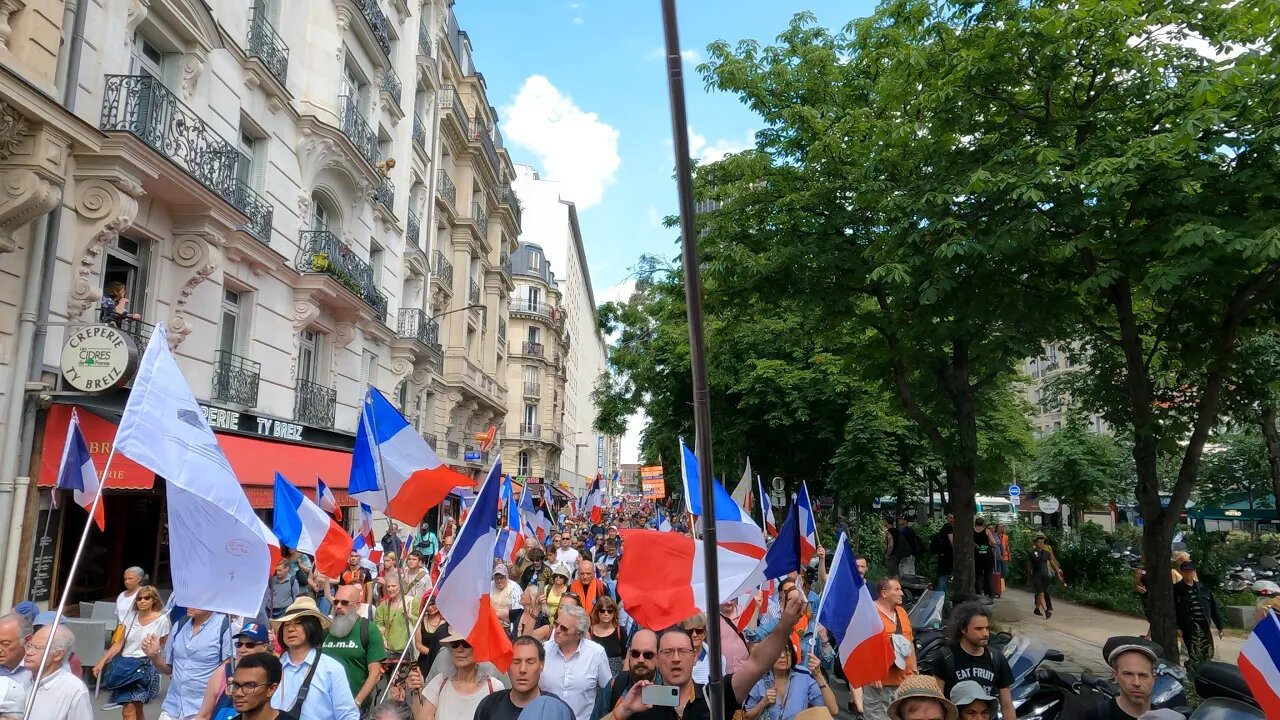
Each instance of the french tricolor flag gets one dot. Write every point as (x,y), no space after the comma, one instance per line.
(508,537)
(766,510)
(393,469)
(463,591)
(327,501)
(77,473)
(1260,664)
(808,528)
(849,615)
(663,523)
(365,544)
(534,519)
(301,524)
(594,501)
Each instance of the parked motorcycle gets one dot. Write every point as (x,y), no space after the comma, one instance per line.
(1223,681)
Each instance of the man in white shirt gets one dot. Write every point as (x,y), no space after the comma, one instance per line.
(576,668)
(14,633)
(133,578)
(566,553)
(504,596)
(60,695)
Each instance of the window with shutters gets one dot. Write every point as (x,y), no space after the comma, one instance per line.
(309,343)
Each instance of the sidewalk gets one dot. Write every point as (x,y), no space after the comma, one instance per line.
(1080,631)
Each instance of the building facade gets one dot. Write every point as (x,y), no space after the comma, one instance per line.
(550,231)
(1050,405)
(311,195)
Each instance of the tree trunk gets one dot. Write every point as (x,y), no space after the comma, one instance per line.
(960,481)
(962,476)
(1272,436)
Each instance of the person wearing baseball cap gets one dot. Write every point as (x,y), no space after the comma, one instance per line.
(972,701)
(252,638)
(1133,665)
(918,698)
(504,597)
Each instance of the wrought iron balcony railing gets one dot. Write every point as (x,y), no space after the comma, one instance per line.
(432,440)
(414,229)
(391,84)
(138,330)
(415,325)
(454,449)
(511,201)
(378,23)
(419,134)
(260,212)
(314,404)
(504,262)
(357,129)
(529,307)
(450,100)
(445,188)
(532,389)
(473,292)
(530,431)
(442,269)
(480,218)
(235,379)
(322,252)
(532,349)
(385,194)
(142,106)
(480,133)
(424,39)
(266,44)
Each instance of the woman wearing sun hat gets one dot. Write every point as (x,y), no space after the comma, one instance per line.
(314,686)
(920,698)
(456,684)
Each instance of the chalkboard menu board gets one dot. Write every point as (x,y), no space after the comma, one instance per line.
(42,560)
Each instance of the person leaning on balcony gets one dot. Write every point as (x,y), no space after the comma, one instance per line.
(111,310)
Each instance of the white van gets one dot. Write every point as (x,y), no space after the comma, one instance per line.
(997,509)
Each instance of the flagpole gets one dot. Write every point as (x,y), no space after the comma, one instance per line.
(404,605)
(697,349)
(71,574)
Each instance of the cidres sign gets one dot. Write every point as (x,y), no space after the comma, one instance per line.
(97,358)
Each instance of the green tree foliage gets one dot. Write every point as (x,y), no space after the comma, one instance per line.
(961,179)
(1081,468)
(1235,469)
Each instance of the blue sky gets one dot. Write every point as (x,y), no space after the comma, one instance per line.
(580,87)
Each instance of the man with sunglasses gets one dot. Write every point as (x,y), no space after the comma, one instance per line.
(565,552)
(676,657)
(256,679)
(576,668)
(641,664)
(355,643)
(252,638)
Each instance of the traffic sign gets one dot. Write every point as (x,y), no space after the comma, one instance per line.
(1049,505)
(1014,491)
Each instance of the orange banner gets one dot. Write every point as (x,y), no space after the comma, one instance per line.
(652,482)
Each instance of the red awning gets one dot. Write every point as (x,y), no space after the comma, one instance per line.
(100,434)
(261,498)
(254,461)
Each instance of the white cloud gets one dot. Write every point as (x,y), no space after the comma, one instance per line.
(574,6)
(655,217)
(573,146)
(690,55)
(623,290)
(631,440)
(578,21)
(705,152)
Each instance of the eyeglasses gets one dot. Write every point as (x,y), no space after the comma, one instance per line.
(646,654)
(32,647)
(605,610)
(565,629)
(696,631)
(460,645)
(343,603)
(247,644)
(237,688)
(675,652)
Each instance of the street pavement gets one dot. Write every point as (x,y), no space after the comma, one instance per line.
(1077,630)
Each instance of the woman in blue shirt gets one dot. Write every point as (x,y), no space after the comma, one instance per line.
(786,691)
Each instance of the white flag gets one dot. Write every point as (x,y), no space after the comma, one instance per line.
(219,551)
(742,493)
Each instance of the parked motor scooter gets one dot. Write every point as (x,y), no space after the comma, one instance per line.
(1050,694)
